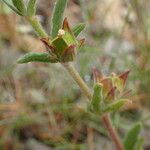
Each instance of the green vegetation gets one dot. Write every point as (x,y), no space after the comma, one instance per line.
(74,114)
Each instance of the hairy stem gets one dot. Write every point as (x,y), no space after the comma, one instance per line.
(105,118)
(72,71)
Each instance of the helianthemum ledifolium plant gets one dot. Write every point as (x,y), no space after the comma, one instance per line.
(62,45)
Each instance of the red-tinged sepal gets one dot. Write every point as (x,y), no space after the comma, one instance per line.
(69,54)
(111,95)
(97,75)
(107,85)
(120,80)
(124,76)
(81,42)
(66,26)
(49,47)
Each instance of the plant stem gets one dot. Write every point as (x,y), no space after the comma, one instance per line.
(72,71)
(90,139)
(105,118)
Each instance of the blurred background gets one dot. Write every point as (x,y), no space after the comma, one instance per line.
(41,107)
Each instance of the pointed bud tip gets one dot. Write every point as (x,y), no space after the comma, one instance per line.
(66,25)
(124,76)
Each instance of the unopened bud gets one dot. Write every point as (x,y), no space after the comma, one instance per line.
(61,32)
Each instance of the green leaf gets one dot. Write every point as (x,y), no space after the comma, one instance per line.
(97,98)
(20,6)
(78,29)
(132,137)
(31,9)
(11,6)
(115,106)
(57,17)
(36,57)
(139,144)
(37,26)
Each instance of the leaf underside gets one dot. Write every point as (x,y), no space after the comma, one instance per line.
(36,57)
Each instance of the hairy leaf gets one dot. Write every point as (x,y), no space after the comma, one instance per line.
(20,6)
(11,6)
(78,29)
(36,57)
(115,106)
(97,98)
(37,27)
(31,9)
(139,144)
(57,17)
(132,137)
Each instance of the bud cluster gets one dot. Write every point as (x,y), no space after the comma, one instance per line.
(108,93)
(64,46)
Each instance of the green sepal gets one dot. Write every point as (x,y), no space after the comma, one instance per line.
(132,137)
(57,16)
(118,83)
(69,54)
(59,45)
(11,6)
(97,98)
(36,57)
(20,6)
(115,106)
(78,29)
(31,9)
(69,38)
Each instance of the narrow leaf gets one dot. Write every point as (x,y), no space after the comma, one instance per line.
(57,17)
(132,137)
(115,106)
(38,27)
(31,9)
(78,29)
(11,6)
(97,98)
(20,6)
(36,57)
(139,144)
